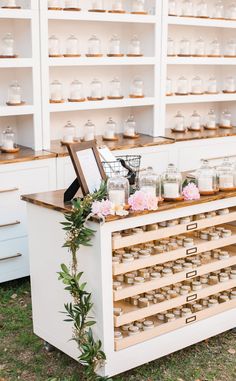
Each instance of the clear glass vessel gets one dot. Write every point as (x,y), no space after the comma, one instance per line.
(199,48)
(185,47)
(56,91)
(231,11)
(110,129)
(135,46)
(114,45)
(69,132)
(214,49)
(94,45)
(117,6)
(207,179)
(195,121)
(197,85)
(137,88)
(10,3)
(172,8)
(76,91)
(72,46)
(179,122)
(187,8)
(230,48)
(72,4)
(14,94)
(115,91)
(89,131)
(182,86)
(225,120)
(54,49)
(96,89)
(202,9)
(171,47)
(211,120)
(97,5)
(169,86)
(8,43)
(229,85)
(130,126)
(212,86)
(171,183)
(54,4)
(138,6)
(218,10)
(118,189)
(149,182)
(8,139)
(226,175)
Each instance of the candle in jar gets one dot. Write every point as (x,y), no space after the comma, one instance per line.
(130,131)
(54,4)
(117,5)
(149,190)
(73,4)
(109,134)
(8,144)
(14,98)
(205,184)
(226,181)
(171,190)
(11,3)
(138,6)
(117,196)
(88,136)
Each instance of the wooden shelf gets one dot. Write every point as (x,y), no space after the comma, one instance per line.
(103,61)
(201,22)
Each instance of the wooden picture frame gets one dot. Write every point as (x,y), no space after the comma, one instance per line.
(87,164)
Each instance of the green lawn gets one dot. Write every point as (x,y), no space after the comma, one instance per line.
(22,356)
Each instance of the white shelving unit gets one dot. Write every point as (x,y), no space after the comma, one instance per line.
(26,120)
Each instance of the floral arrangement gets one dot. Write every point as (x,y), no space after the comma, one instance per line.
(141,201)
(191,192)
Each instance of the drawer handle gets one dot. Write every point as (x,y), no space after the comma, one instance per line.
(9,190)
(191,274)
(193,250)
(11,257)
(191,298)
(10,224)
(191,319)
(191,226)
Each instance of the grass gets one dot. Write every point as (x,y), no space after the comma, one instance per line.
(22,356)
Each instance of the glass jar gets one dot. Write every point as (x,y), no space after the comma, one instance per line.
(135,47)
(8,43)
(226,175)
(171,183)
(130,127)
(179,122)
(150,183)
(195,123)
(137,88)
(211,120)
(10,4)
(206,179)
(229,85)
(110,130)
(76,91)
(202,9)
(54,46)
(218,10)
(170,47)
(172,8)
(14,94)
(69,133)
(182,86)
(72,46)
(97,6)
(230,48)
(184,47)
(199,48)
(169,86)
(96,90)
(56,91)
(117,6)
(118,189)
(114,46)
(54,4)
(8,139)
(94,46)
(115,89)
(231,11)
(89,131)
(212,86)
(197,86)
(187,8)
(214,49)
(72,4)
(225,120)
(138,6)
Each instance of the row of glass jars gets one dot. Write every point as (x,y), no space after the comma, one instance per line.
(196,121)
(189,8)
(137,6)
(199,86)
(200,48)
(110,130)
(76,92)
(94,46)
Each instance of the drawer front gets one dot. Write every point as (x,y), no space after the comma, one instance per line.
(14,261)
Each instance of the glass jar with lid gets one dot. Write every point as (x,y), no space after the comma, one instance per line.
(207,179)
(10,4)
(172,8)
(89,131)
(55,5)
(97,6)
(226,175)
(202,9)
(149,182)
(8,43)
(114,46)
(171,183)
(115,91)
(69,133)
(187,8)
(211,120)
(212,87)
(8,140)
(197,86)
(231,11)
(199,48)
(135,47)
(94,47)
(182,86)
(171,47)
(72,46)
(96,90)
(214,49)
(169,87)
(195,121)
(218,10)
(138,6)
(229,85)
(184,48)
(72,5)
(76,91)
(225,120)
(130,127)
(179,122)
(14,94)
(117,6)
(54,49)
(230,49)
(56,92)
(110,130)
(137,88)
(118,189)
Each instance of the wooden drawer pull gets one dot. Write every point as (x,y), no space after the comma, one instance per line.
(191,298)
(11,257)
(191,274)
(10,224)
(191,227)
(9,190)
(193,250)
(191,319)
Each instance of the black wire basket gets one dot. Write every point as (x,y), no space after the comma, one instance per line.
(127,165)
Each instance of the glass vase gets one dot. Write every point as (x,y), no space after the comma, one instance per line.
(171,183)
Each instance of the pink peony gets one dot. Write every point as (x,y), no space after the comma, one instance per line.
(191,192)
(151,202)
(102,208)
(140,201)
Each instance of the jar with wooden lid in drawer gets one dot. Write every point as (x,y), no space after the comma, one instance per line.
(133,330)
(223,298)
(233,294)
(186,312)
(213,279)
(170,317)
(148,324)
(212,302)
(167,272)
(118,335)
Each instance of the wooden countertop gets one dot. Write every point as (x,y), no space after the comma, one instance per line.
(54,201)
(25,154)
(203,134)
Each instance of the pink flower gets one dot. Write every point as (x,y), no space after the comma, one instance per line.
(102,208)
(191,192)
(151,202)
(140,201)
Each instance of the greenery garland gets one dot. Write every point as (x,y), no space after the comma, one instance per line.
(78,311)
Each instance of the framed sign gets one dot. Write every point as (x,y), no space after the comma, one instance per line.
(87,164)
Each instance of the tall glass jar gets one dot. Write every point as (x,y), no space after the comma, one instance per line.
(171,183)
(212,87)
(197,86)
(199,48)
(135,47)
(94,46)
(195,122)
(97,6)
(115,91)
(89,131)
(54,4)
(150,182)
(8,139)
(138,6)
(230,48)
(218,10)
(137,88)
(69,133)
(54,46)
(114,46)
(72,46)
(184,48)
(76,91)
(226,175)
(8,43)
(214,49)
(179,122)
(211,120)
(169,87)
(14,94)
(56,92)
(231,11)
(118,189)
(229,85)
(110,130)
(182,86)
(72,5)
(202,9)
(207,179)
(117,6)
(187,8)
(130,127)
(225,120)
(171,47)
(172,8)
(96,90)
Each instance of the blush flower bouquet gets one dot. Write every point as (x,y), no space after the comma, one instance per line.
(191,192)
(141,201)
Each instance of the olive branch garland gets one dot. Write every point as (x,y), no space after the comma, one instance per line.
(78,311)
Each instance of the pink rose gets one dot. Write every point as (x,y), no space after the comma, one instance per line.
(191,192)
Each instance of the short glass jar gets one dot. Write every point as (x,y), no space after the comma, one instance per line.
(230,49)
(96,90)
(94,46)
(212,86)
(72,46)
(135,47)
(229,85)
(137,88)
(54,4)
(218,10)
(115,91)
(187,8)
(10,4)
(197,86)
(110,130)
(14,94)
(231,11)
(184,48)
(172,8)
(114,46)
(8,139)
(54,49)
(171,183)
(56,92)
(202,9)
(214,49)
(89,131)
(179,122)
(8,43)
(182,86)
(199,48)
(169,86)
(73,5)
(76,91)
(171,47)
(130,127)
(226,175)
(118,189)
(195,121)
(138,7)
(207,179)
(225,120)
(149,182)
(97,6)
(211,120)
(117,6)
(69,133)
